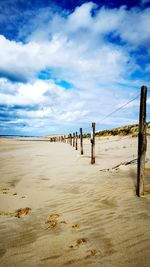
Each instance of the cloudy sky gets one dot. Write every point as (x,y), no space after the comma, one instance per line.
(64,64)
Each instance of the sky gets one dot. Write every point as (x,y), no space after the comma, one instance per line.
(65,64)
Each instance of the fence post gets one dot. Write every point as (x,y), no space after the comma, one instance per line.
(73,139)
(142,143)
(70,139)
(81,141)
(76,143)
(93,143)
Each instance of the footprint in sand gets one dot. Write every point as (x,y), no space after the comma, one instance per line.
(75,226)
(83,241)
(22,212)
(4,190)
(53,221)
(94,252)
(18,213)
(79,242)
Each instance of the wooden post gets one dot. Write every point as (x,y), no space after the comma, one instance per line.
(76,141)
(93,143)
(142,143)
(73,139)
(81,141)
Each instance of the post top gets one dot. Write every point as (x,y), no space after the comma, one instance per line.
(144,88)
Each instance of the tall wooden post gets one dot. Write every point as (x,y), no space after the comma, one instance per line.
(81,141)
(73,139)
(76,143)
(93,143)
(142,143)
(70,139)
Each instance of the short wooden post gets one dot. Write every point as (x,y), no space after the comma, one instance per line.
(76,145)
(93,143)
(81,142)
(142,143)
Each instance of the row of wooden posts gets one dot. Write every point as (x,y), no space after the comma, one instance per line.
(72,139)
(142,142)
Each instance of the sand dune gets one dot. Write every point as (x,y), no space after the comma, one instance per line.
(58,210)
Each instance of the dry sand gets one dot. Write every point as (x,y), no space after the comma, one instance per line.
(58,210)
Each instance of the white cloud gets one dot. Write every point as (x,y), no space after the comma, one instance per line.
(134,29)
(77,45)
(75,48)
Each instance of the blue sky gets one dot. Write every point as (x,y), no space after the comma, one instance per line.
(64,64)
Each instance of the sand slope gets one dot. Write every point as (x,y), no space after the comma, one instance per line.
(81,215)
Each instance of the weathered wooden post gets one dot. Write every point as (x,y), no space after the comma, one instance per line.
(73,139)
(81,142)
(76,145)
(142,143)
(93,143)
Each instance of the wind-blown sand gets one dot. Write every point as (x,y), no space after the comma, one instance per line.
(58,210)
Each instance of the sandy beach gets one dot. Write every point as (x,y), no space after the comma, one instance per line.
(56,209)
